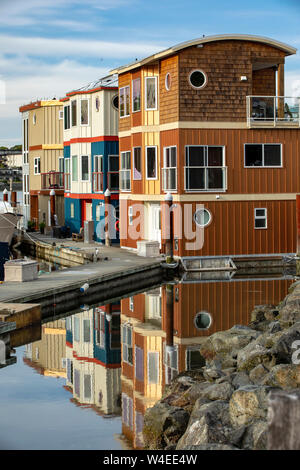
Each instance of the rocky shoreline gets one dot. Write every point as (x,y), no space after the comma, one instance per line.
(224,405)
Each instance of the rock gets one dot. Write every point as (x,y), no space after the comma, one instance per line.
(253,355)
(274,327)
(220,391)
(186,381)
(163,425)
(264,312)
(210,447)
(209,423)
(283,344)
(241,379)
(289,310)
(257,374)
(256,436)
(248,403)
(224,345)
(286,376)
(211,374)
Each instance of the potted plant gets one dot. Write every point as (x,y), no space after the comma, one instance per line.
(42,226)
(30,226)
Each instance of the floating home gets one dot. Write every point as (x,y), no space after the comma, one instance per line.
(43,161)
(208,124)
(91,153)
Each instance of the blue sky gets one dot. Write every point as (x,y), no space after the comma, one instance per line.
(49,47)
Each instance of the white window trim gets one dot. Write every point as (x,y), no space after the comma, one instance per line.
(100,157)
(156,94)
(132,107)
(261,217)
(146,160)
(88,113)
(133,161)
(205,81)
(60,114)
(169,168)
(122,170)
(71,114)
(206,190)
(71,169)
(36,165)
(125,110)
(263,154)
(89,169)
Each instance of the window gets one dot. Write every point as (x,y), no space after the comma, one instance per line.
(37,166)
(84,112)
(60,115)
(97,103)
(139,364)
(67,117)
(113,172)
(61,169)
(125,171)
(72,210)
(202,217)
(98,163)
(34,119)
(87,386)
(74,112)
(130,215)
(268,155)
(127,411)
(98,211)
(124,101)
(67,174)
(136,95)
(127,343)
(74,168)
(168,82)
(151,93)
(25,141)
(84,168)
(170,169)
(205,169)
(86,331)
(131,304)
(260,218)
(151,163)
(115,102)
(137,163)
(202,321)
(153,367)
(76,329)
(197,79)
(98,173)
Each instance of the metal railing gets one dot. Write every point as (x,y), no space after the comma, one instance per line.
(52,180)
(274,110)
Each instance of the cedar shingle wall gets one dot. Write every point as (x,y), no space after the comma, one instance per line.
(264,82)
(169,99)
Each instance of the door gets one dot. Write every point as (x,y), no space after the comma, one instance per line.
(86,210)
(155,223)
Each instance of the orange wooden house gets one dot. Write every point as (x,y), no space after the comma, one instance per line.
(208,121)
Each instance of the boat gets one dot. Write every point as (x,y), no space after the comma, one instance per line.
(8,222)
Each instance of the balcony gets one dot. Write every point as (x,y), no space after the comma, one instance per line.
(273,111)
(52,180)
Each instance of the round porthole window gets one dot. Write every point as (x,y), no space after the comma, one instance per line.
(97,103)
(198,79)
(168,81)
(115,102)
(203,321)
(202,217)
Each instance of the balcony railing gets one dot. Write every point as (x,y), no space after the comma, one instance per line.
(97,182)
(52,180)
(273,111)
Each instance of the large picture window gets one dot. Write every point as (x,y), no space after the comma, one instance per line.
(136,95)
(151,163)
(124,101)
(205,168)
(137,163)
(151,93)
(170,169)
(268,155)
(125,171)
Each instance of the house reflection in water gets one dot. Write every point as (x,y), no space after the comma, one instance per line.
(94,358)
(162,331)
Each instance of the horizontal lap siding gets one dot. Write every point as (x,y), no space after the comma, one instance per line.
(232,232)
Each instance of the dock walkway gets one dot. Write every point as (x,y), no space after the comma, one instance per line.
(118,268)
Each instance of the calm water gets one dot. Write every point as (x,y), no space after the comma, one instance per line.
(70,389)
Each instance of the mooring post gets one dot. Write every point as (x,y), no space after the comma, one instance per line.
(13,198)
(169,232)
(5,195)
(284,420)
(107,217)
(52,207)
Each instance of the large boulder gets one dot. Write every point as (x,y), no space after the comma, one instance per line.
(248,403)
(164,425)
(289,310)
(256,436)
(286,376)
(284,344)
(253,355)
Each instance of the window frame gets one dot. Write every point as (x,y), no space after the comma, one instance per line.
(146,160)
(71,113)
(67,117)
(123,170)
(263,154)
(37,166)
(206,190)
(260,217)
(88,112)
(164,168)
(205,79)
(133,166)
(156,93)
(88,162)
(132,102)
(126,111)
(72,173)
